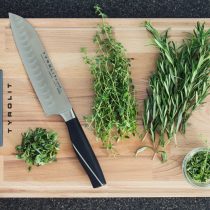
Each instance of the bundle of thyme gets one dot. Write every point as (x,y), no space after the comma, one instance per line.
(178,86)
(38,147)
(114,110)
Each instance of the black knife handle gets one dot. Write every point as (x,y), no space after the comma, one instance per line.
(85,153)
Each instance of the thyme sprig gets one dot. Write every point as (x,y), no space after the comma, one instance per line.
(178,86)
(114,110)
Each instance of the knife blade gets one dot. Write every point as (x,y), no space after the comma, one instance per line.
(51,94)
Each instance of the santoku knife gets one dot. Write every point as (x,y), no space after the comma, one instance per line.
(51,94)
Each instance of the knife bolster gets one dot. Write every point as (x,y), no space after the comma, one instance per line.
(68,115)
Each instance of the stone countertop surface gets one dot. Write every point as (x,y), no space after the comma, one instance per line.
(113,8)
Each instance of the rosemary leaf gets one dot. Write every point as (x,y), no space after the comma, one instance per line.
(179,85)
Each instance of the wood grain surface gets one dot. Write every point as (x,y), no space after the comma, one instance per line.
(126,174)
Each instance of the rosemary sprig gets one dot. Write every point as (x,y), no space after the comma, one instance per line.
(38,147)
(178,86)
(114,109)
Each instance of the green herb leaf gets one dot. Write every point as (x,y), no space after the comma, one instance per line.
(164,156)
(178,86)
(114,110)
(198,167)
(38,147)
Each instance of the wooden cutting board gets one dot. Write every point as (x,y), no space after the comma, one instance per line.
(126,175)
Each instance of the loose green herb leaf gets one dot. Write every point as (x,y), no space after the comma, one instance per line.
(38,147)
(178,86)
(114,110)
(198,167)
(163,156)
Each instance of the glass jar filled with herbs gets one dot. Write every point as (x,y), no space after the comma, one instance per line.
(196,167)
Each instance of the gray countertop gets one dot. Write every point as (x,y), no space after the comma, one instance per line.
(113,8)
(106,204)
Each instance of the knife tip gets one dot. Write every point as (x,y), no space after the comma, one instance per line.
(13,16)
(10,15)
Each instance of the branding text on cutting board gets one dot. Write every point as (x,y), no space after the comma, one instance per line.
(9,107)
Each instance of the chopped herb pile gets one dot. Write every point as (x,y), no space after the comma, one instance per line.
(178,86)
(38,147)
(198,167)
(114,109)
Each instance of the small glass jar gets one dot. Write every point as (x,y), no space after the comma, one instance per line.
(184,168)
